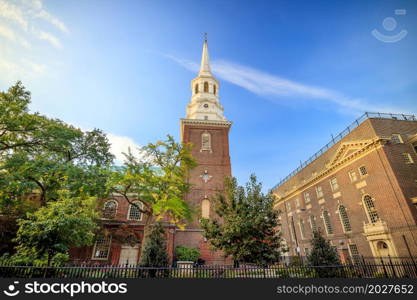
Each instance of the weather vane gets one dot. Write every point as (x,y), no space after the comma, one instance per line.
(205,36)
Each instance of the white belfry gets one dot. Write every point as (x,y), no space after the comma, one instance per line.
(205,104)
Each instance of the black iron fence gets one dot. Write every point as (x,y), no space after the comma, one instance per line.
(386,268)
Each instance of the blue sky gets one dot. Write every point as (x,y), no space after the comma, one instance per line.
(292,72)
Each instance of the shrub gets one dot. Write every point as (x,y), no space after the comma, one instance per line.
(154,252)
(184,253)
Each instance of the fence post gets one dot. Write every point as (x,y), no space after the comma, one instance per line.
(392,266)
(383,266)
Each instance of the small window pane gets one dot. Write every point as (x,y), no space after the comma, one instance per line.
(370,209)
(334,185)
(407,158)
(396,139)
(134,211)
(327,223)
(307,197)
(363,171)
(102,247)
(344,219)
(109,209)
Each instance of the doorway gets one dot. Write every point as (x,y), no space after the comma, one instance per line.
(129,254)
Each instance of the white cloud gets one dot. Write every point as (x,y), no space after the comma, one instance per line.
(26,27)
(120,145)
(50,38)
(21,69)
(10,35)
(36,10)
(265,84)
(14,13)
(24,13)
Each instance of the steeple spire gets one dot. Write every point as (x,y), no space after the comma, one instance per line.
(205,102)
(205,69)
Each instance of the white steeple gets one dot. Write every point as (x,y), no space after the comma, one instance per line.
(205,69)
(205,103)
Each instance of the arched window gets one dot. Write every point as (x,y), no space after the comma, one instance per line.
(302,228)
(134,211)
(206,88)
(206,141)
(370,209)
(214,89)
(196,88)
(205,209)
(313,224)
(110,209)
(344,219)
(327,223)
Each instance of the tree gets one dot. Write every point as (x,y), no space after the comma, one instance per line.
(158,180)
(154,250)
(55,228)
(323,254)
(38,155)
(247,227)
(42,160)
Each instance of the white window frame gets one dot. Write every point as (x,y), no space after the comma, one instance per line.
(327,225)
(288,205)
(346,221)
(206,146)
(396,138)
(130,207)
(313,223)
(301,225)
(354,256)
(374,218)
(354,177)
(307,197)
(407,158)
(115,210)
(93,256)
(334,185)
(319,191)
(360,172)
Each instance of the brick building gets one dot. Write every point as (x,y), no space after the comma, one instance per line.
(360,190)
(208,130)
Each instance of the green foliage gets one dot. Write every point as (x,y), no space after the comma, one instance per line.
(40,155)
(154,250)
(158,179)
(184,253)
(49,232)
(323,254)
(247,229)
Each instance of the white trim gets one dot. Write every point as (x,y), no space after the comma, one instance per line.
(94,251)
(128,211)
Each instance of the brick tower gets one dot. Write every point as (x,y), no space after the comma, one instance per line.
(208,130)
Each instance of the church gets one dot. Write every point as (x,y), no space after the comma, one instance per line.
(206,127)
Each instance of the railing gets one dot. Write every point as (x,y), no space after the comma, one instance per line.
(386,268)
(341,135)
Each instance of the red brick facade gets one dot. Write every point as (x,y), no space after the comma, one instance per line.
(380,148)
(207,178)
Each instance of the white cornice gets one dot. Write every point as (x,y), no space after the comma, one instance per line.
(369,145)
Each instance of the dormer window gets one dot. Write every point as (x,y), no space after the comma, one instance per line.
(206,87)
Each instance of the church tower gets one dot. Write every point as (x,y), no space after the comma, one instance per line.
(207,129)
